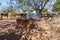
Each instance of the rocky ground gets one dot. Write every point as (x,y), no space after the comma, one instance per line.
(46,30)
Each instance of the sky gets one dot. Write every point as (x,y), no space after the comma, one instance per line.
(4,4)
(50,4)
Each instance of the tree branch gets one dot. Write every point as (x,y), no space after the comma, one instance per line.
(40,10)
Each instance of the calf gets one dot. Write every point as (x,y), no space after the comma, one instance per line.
(25,23)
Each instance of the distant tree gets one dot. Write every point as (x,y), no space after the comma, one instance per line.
(11,8)
(4,10)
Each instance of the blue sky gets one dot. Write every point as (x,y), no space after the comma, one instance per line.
(50,4)
(4,4)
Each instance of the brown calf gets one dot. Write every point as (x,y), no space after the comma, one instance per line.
(25,23)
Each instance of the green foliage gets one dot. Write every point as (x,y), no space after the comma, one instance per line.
(19,1)
(13,12)
(44,10)
(44,0)
(56,6)
(4,10)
